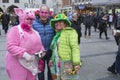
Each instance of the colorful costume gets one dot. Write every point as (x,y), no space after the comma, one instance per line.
(64,46)
(30,42)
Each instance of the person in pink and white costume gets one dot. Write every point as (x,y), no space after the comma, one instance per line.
(24,46)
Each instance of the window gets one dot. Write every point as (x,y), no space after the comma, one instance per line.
(43,1)
(5,1)
(16,1)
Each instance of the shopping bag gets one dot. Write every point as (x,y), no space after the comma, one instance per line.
(67,71)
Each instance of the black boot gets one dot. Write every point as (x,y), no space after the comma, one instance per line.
(107,38)
(112,69)
(100,37)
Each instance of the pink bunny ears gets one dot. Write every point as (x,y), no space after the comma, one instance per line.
(24,14)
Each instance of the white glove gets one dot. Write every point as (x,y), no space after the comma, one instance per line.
(27,56)
(30,63)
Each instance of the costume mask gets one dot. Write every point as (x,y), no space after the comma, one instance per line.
(24,15)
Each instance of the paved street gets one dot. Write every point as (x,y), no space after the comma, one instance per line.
(3,75)
(96,54)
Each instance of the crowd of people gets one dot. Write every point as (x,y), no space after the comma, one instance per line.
(40,38)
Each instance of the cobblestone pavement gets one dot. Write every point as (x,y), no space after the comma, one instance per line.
(96,54)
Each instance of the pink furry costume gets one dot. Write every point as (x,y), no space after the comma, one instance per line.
(24,47)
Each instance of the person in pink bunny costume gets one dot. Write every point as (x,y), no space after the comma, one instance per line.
(22,47)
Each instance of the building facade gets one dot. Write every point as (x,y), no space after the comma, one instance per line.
(107,4)
(111,6)
(4,4)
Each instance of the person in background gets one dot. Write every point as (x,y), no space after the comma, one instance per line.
(5,19)
(80,18)
(64,45)
(103,26)
(115,16)
(87,21)
(21,45)
(95,22)
(14,19)
(70,15)
(0,30)
(47,33)
(0,22)
(37,14)
(76,25)
(110,20)
(115,67)
(116,27)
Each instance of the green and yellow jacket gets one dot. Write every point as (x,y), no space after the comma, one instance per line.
(68,48)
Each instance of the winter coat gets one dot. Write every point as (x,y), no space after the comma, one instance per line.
(80,19)
(103,25)
(77,27)
(45,31)
(68,47)
(88,20)
(5,19)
